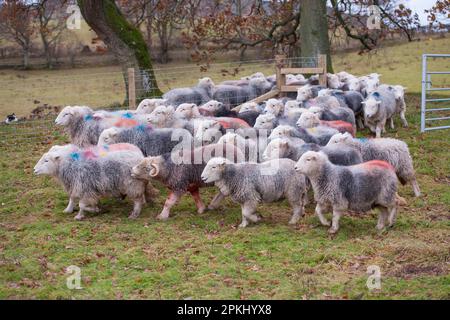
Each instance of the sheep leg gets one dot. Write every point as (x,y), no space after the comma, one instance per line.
(415,186)
(84,206)
(360,122)
(248,213)
(216,201)
(137,208)
(170,202)
(382,218)
(403,118)
(392,122)
(70,206)
(392,215)
(298,210)
(379,129)
(198,201)
(335,221)
(319,212)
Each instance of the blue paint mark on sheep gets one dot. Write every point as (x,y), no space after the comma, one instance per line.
(75,156)
(127,115)
(88,117)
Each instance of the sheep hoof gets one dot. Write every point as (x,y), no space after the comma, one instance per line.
(243,224)
(332,231)
(68,210)
(293,221)
(133,215)
(162,217)
(201,210)
(79,217)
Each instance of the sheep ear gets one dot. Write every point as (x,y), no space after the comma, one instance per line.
(56,158)
(363,103)
(378,103)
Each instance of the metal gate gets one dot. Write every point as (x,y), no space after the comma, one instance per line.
(427,86)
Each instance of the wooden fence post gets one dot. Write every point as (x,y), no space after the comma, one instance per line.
(322,63)
(131,89)
(279,63)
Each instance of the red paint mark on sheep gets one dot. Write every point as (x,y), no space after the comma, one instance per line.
(126,123)
(379,164)
(341,126)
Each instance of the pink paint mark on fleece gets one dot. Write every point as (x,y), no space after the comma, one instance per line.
(377,164)
(341,126)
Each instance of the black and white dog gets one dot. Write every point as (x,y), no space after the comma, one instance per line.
(11,118)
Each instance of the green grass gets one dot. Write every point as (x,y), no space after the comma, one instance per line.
(206,256)
(21,91)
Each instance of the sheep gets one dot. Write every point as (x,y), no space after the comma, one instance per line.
(333,114)
(241,82)
(369,84)
(399,93)
(198,94)
(274,106)
(250,106)
(251,183)
(187,111)
(299,135)
(148,105)
(393,151)
(84,130)
(310,120)
(333,81)
(210,130)
(379,107)
(350,99)
(344,76)
(249,147)
(152,142)
(286,148)
(89,176)
(181,175)
(164,117)
(357,188)
(231,95)
(308,92)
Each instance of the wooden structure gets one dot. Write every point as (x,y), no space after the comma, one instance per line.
(282,69)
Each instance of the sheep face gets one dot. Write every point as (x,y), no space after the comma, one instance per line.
(354,84)
(304,93)
(214,169)
(399,92)
(316,110)
(277,148)
(274,106)
(281,132)
(249,106)
(308,120)
(229,138)
(108,136)
(187,111)
(343,76)
(206,83)
(212,106)
(48,164)
(148,105)
(310,163)
(340,138)
(161,115)
(325,93)
(207,129)
(291,104)
(150,167)
(333,81)
(264,121)
(371,106)
(67,114)
(257,75)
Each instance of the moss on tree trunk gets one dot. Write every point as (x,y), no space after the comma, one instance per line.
(124,40)
(313,30)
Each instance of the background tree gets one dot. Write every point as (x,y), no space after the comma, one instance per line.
(124,40)
(439,14)
(16,24)
(51,20)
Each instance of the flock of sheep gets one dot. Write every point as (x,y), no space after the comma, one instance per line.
(210,135)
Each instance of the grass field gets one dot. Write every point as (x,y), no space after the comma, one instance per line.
(21,91)
(206,256)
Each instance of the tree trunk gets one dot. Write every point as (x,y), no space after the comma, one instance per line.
(26,57)
(125,42)
(164,43)
(313,30)
(47,53)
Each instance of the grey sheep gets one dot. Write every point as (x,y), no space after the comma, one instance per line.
(350,99)
(400,104)
(308,92)
(199,94)
(285,148)
(84,130)
(87,176)
(181,173)
(379,107)
(152,142)
(251,183)
(249,147)
(358,188)
(334,114)
(393,151)
(286,131)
